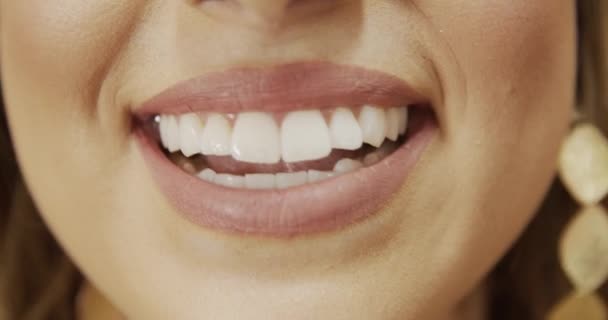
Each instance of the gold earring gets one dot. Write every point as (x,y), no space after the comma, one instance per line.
(583,247)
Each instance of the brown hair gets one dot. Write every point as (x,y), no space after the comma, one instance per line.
(38,281)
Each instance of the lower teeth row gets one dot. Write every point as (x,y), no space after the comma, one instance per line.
(258,181)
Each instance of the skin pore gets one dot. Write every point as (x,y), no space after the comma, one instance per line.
(500,75)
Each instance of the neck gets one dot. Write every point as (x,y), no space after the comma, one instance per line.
(474,307)
(92,305)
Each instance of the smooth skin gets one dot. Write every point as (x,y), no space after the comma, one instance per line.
(501,77)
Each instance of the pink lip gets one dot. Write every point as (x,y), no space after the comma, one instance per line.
(320,207)
(302,85)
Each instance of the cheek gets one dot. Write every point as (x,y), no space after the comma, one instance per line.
(508,81)
(55,58)
(518,64)
(74,41)
(515,62)
(509,91)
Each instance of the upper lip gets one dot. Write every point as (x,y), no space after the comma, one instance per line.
(282,88)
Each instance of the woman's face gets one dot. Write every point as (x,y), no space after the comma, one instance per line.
(79,75)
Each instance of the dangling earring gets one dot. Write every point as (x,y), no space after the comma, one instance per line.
(583,247)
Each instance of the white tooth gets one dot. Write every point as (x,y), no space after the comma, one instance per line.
(260,181)
(207,175)
(190,130)
(345,130)
(256,138)
(372,159)
(286,180)
(347,165)
(373,125)
(304,136)
(172,133)
(216,136)
(392,124)
(402,120)
(229,180)
(163,128)
(314,175)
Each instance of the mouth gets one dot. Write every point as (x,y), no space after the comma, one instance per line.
(284,151)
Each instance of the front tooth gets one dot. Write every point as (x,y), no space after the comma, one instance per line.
(256,138)
(304,136)
(190,131)
(345,130)
(172,133)
(286,180)
(260,181)
(229,180)
(392,123)
(373,125)
(314,175)
(347,165)
(216,136)
(402,120)
(207,175)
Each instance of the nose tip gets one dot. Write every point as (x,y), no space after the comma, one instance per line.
(267,12)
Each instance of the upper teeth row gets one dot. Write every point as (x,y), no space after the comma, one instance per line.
(303,135)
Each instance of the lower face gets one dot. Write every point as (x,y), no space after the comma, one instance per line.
(332,160)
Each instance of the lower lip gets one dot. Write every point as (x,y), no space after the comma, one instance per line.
(324,206)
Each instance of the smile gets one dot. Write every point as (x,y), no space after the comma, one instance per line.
(284,151)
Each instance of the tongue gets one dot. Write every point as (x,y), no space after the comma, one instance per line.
(231,166)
